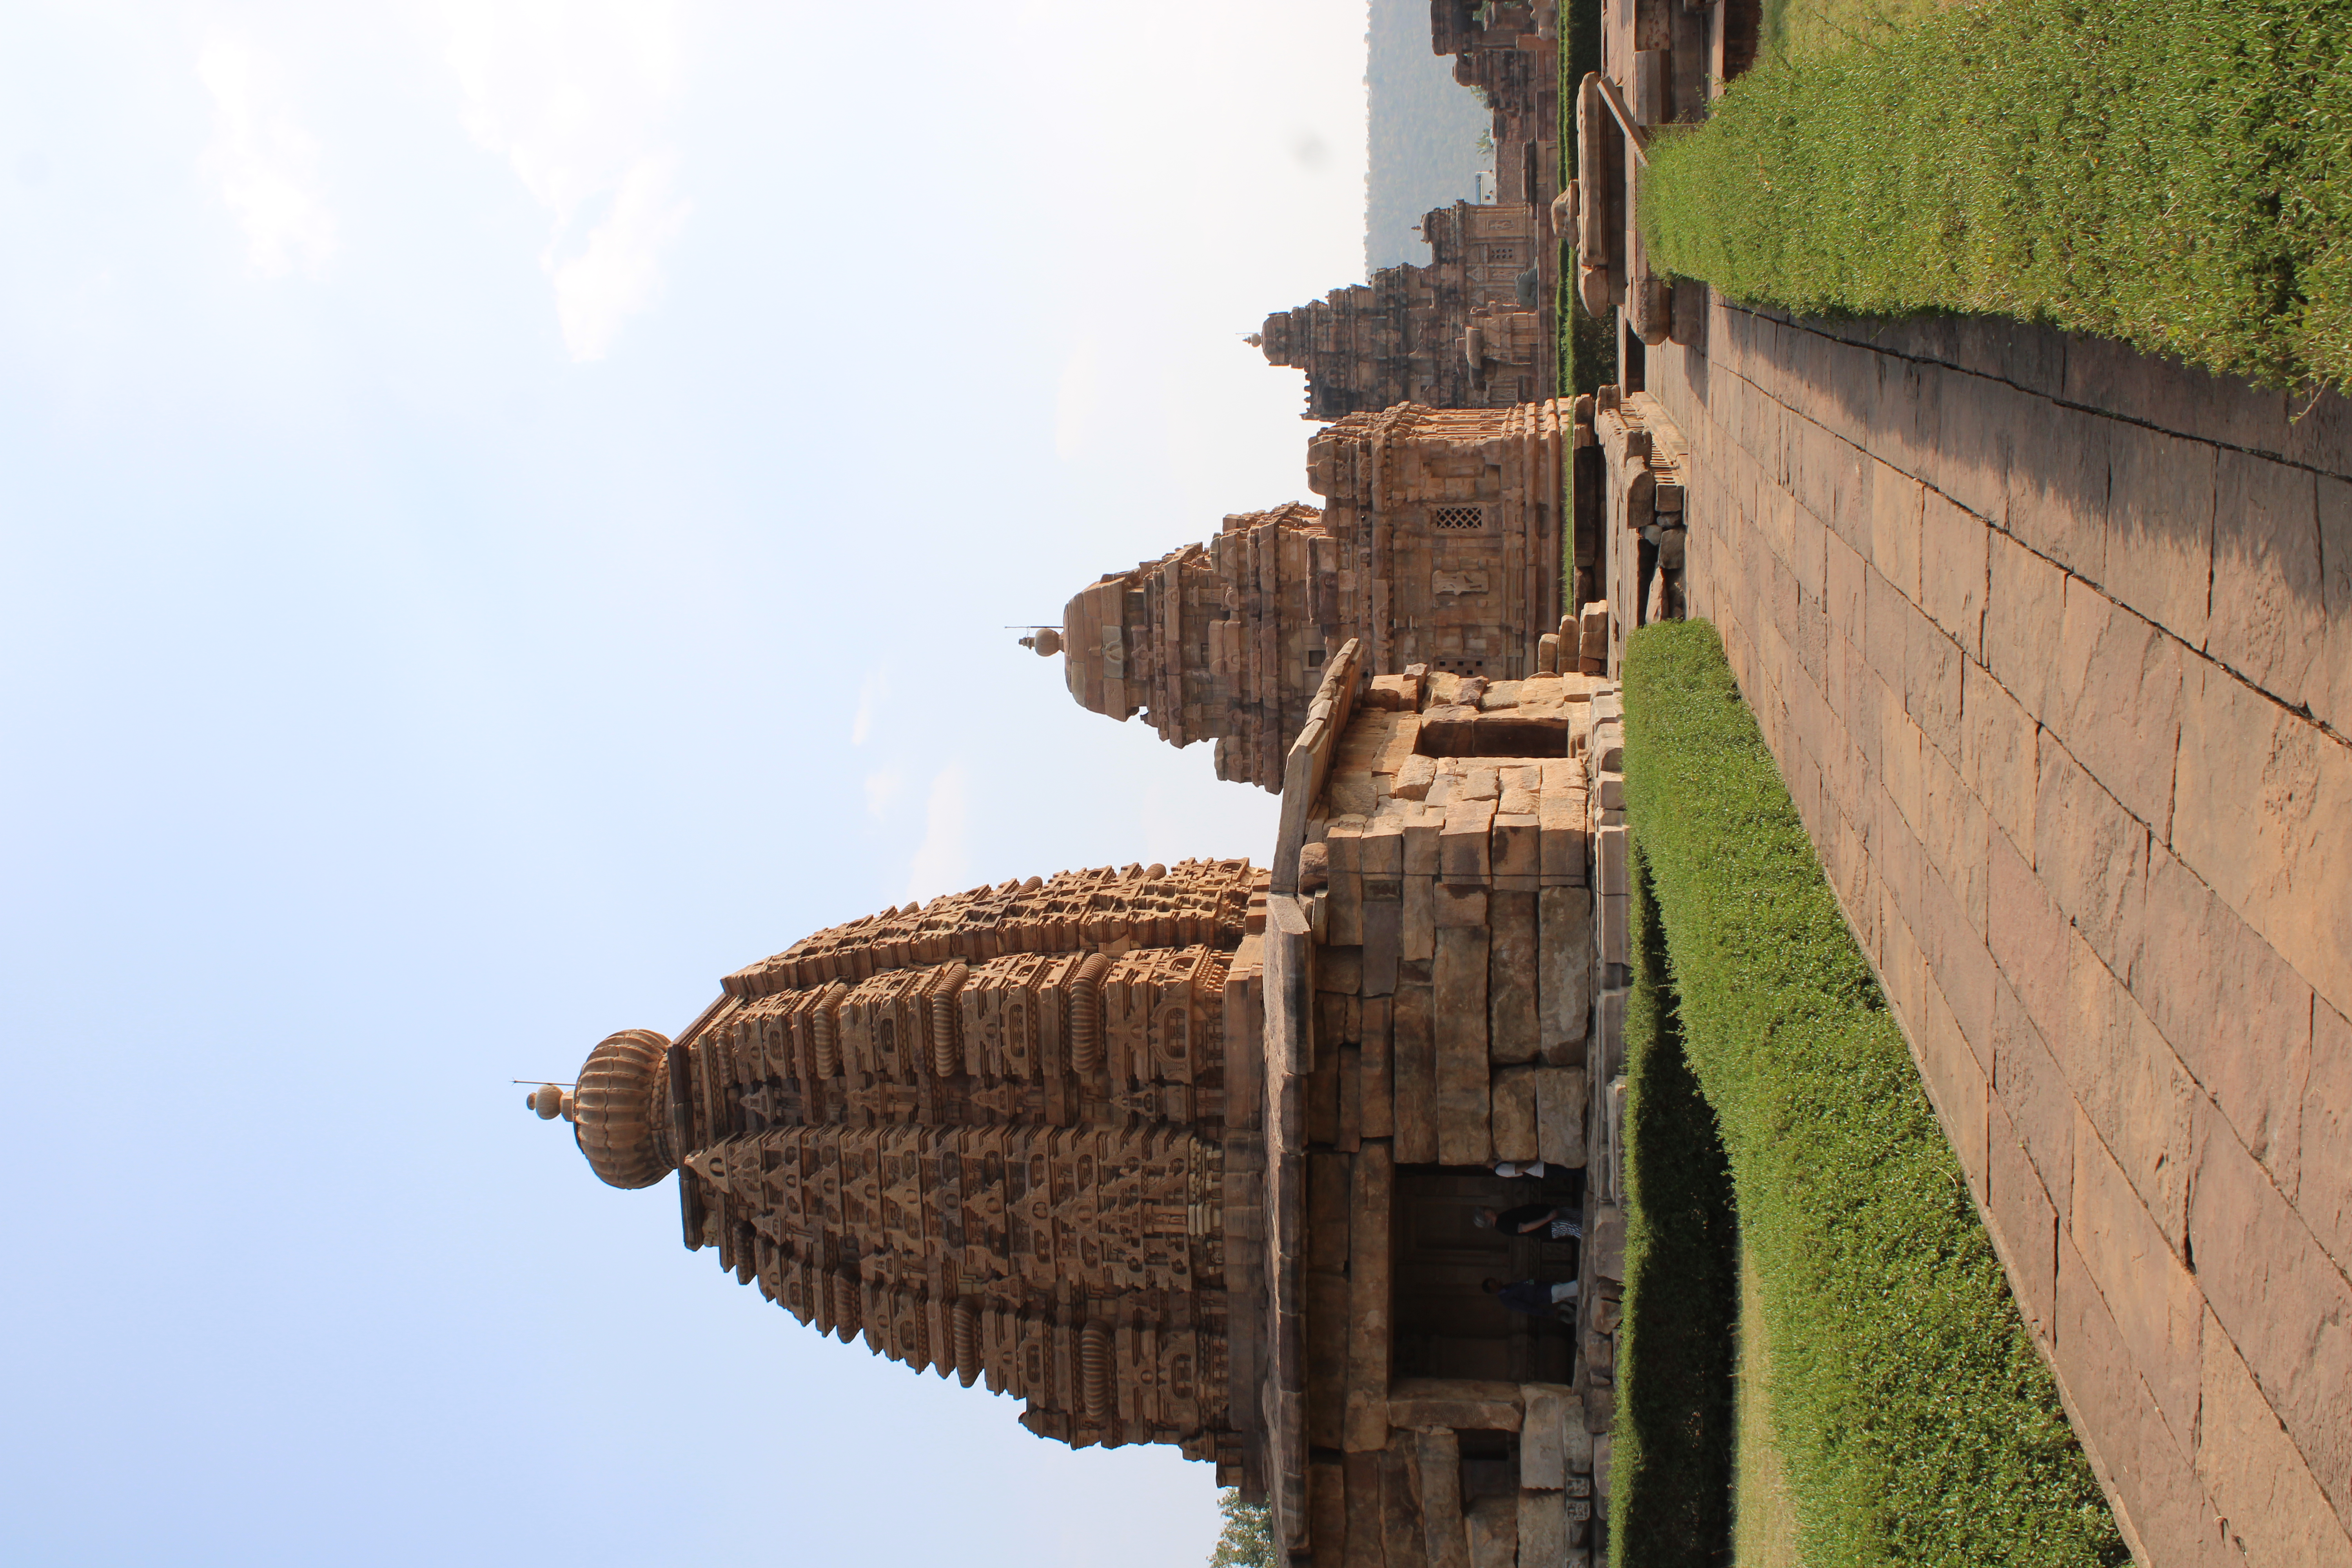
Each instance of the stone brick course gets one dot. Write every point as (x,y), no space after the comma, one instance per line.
(2051,644)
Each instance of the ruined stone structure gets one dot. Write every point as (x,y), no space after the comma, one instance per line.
(1439,546)
(1192,1154)
(1467,331)
(1475,328)
(1638,467)
(1223,641)
(1444,959)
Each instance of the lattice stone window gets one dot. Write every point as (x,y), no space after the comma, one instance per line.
(1457,517)
(1502,253)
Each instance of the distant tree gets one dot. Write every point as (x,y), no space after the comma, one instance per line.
(1247,1539)
(1486,144)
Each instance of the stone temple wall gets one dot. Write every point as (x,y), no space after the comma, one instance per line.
(1440,987)
(1198,1154)
(2053,644)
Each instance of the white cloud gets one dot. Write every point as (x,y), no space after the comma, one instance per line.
(573,96)
(265,163)
(941,864)
(617,274)
(882,791)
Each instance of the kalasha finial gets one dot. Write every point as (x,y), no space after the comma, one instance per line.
(1046,640)
(549,1101)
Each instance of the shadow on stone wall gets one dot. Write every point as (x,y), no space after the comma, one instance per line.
(1673,1458)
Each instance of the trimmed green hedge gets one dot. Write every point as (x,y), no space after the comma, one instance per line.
(1671,1474)
(1917,1423)
(2170,176)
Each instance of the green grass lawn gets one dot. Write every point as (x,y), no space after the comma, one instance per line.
(1818,26)
(1913,1420)
(2167,174)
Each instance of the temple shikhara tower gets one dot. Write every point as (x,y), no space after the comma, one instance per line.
(987,1135)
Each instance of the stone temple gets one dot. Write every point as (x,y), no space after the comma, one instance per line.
(1466,330)
(1438,546)
(1193,1155)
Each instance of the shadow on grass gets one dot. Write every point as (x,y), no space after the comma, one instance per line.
(1672,1475)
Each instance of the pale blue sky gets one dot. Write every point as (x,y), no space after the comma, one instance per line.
(506,514)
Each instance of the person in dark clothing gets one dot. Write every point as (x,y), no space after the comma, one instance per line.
(1533,1296)
(1532,1219)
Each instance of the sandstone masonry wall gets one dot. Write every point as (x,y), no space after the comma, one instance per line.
(2054,644)
(1446,892)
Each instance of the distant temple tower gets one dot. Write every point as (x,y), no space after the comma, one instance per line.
(1465,331)
(1440,547)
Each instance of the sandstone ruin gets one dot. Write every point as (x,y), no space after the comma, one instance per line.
(1186,1154)
(1509,52)
(1476,327)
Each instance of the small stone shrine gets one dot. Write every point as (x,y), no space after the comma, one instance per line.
(1437,547)
(1192,1154)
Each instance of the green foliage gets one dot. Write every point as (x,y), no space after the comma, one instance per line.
(1247,1539)
(2169,176)
(1670,1483)
(1917,1423)
(1813,27)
